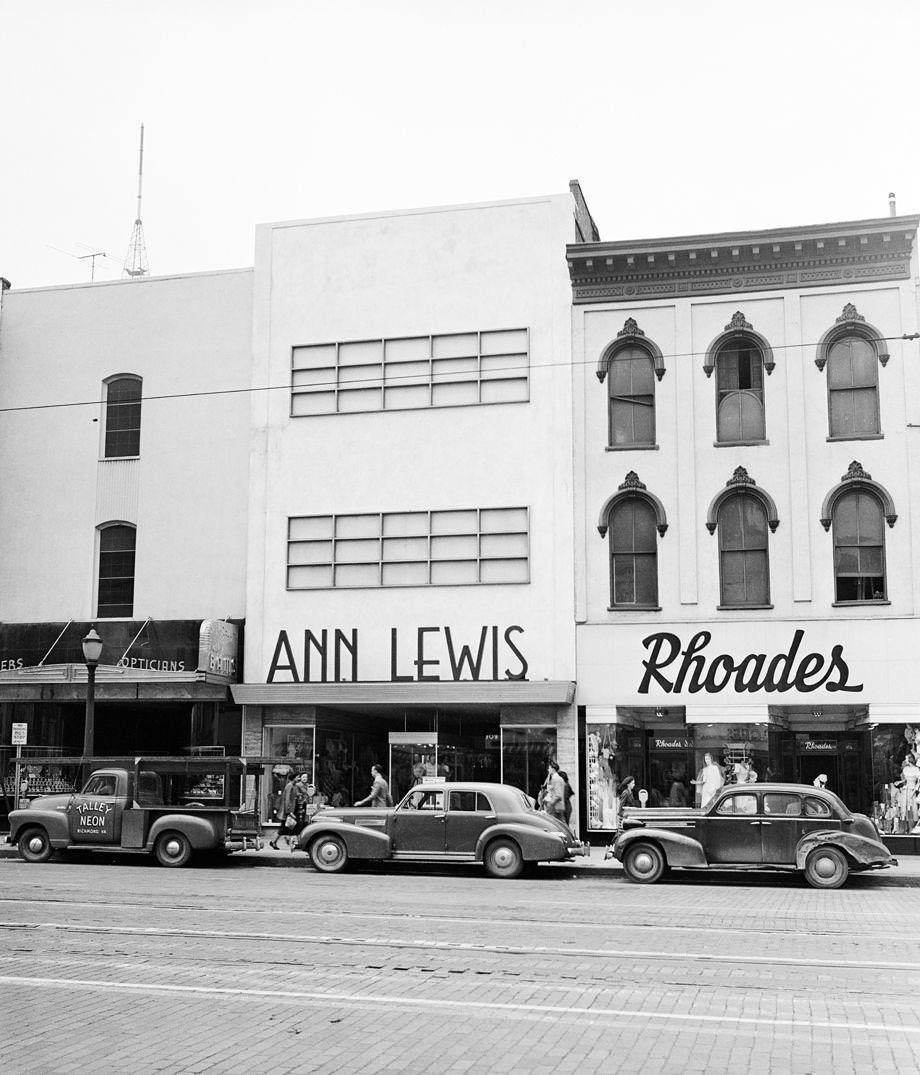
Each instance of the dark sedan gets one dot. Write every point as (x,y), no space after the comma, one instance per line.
(492,824)
(754,826)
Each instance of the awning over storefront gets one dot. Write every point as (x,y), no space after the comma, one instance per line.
(453,693)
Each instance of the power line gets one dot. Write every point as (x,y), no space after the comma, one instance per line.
(375,381)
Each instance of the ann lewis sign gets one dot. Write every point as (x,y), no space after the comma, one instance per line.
(676,666)
(422,655)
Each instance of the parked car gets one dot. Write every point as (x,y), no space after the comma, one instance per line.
(754,826)
(166,807)
(492,824)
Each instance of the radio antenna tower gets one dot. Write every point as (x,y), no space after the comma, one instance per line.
(136,258)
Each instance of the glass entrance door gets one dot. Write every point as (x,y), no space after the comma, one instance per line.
(413,758)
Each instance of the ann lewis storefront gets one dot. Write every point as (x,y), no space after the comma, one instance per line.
(458,707)
(162,687)
(768,701)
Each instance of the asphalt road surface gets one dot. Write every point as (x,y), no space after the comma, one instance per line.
(121,965)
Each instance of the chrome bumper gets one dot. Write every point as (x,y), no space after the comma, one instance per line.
(579,848)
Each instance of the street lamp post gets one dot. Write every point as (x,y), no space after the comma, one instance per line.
(92,651)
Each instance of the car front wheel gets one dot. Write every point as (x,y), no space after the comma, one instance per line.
(173,849)
(503,858)
(329,854)
(34,845)
(644,863)
(826,867)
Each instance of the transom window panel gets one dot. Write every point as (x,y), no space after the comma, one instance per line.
(744,566)
(116,571)
(633,555)
(123,417)
(407,372)
(859,547)
(739,393)
(852,388)
(414,548)
(631,396)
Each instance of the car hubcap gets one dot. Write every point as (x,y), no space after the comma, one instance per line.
(825,867)
(36,845)
(173,848)
(643,863)
(503,857)
(329,854)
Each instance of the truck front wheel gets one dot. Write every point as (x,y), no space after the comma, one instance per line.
(172,849)
(34,845)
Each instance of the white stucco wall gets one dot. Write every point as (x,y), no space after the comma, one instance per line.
(429,271)
(186,335)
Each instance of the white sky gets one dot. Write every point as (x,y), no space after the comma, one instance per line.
(677,116)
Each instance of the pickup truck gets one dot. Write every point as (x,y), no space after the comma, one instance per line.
(168,807)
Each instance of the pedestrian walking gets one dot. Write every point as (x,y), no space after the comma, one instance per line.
(567,794)
(380,790)
(286,818)
(552,794)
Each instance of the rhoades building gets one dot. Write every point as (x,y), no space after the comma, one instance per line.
(455,490)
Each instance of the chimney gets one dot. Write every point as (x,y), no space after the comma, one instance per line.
(892,211)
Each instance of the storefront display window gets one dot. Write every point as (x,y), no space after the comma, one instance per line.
(291,747)
(525,752)
(896,779)
(742,752)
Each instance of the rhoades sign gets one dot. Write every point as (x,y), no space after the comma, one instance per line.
(420,655)
(676,668)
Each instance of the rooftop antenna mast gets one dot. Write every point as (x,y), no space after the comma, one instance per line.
(136,258)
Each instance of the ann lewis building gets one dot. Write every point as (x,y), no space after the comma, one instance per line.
(410,561)
(746,465)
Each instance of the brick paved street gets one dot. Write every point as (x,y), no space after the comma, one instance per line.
(126,966)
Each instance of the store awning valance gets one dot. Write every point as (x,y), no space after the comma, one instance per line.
(462,693)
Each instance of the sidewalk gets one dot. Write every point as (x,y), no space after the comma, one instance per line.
(908,865)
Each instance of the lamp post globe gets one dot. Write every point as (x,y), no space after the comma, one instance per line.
(92,651)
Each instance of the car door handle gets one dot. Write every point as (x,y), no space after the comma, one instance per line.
(490,817)
(756,822)
(440,817)
(766,822)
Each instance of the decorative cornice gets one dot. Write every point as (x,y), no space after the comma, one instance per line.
(630,328)
(848,253)
(857,478)
(742,482)
(632,482)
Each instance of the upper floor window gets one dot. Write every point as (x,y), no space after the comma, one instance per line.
(631,364)
(411,548)
(852,351)
(852,388)
(633,519)
(407,372)
(740,357)
(859,547)
(116,570)
(743,514)
(123,417)
(744,564)
(856,508)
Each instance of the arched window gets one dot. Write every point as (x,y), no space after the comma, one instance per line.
(123,417)
(631,364)
(633,518)
(744,563)
(859,547)
(631,398)
(852,388)
(739,392)
(116,570)
(633,555)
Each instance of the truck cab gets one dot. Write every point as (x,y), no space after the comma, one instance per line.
(168,807)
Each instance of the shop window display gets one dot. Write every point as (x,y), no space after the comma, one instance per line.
(896,779)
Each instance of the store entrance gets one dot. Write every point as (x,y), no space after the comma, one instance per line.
(839,757)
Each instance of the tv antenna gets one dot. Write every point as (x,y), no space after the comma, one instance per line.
(136,258)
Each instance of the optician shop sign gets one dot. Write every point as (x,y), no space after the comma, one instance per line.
(675,667)
(421,655)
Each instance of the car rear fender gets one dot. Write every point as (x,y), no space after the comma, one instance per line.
(203,833)
(535,844)
(859,849)
(54,822)
(678,849)
(361,842)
